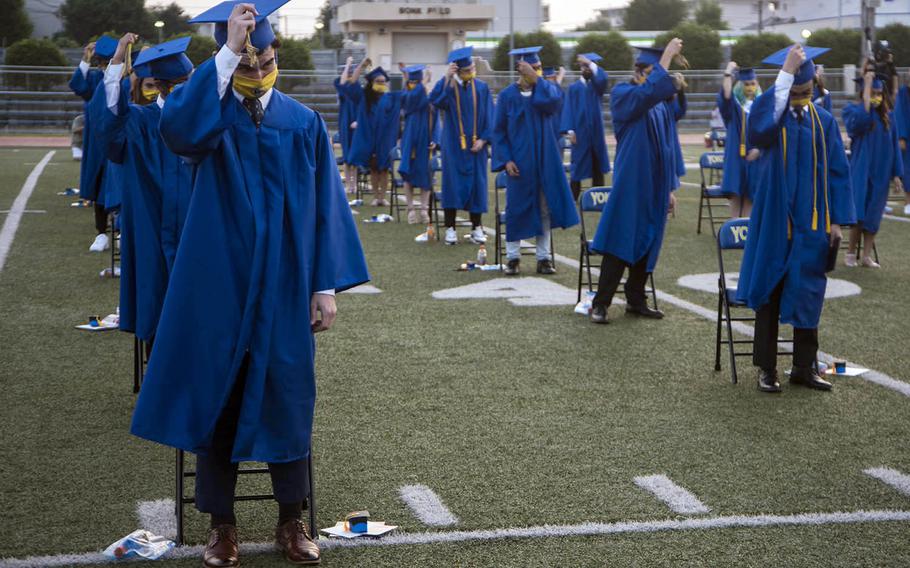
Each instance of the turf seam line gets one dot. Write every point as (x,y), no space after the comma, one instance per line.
(541,531)
(427,506)
(896,479)
(11,224)
(678,499)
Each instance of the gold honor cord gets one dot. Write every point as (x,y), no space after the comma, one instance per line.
(821,131)
(464,142)
(742,136)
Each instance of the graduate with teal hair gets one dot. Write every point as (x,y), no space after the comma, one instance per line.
(802,197)
(347,114)
(875,160)
(735,103)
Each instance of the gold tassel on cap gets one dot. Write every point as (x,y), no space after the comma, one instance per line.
(251,51)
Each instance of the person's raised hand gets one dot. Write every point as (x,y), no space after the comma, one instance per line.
(674,48)
(795,59)
(731,68)
(527,72)
(123,46)
(88,52)
(451,70)
(241,22)
(582,61)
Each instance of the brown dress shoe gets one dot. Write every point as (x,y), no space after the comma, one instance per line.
(293,539)
(222,550)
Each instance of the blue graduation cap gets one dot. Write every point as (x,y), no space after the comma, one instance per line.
(461,57)
(807,71)
(415,72)
(747,74)
(649,55)
(376,73)
(592,57)
(166,60)
(105,47)
(261,37)
(876,82)
(528,54)
(549,71)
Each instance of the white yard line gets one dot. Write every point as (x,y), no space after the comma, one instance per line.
(896,218)
(897,480)
(543,531)
(427,506)
(677,498)
(11,224)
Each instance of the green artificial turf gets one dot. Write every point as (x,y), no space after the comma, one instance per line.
(514,416)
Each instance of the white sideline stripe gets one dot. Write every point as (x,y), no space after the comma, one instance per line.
(5,211)
(679,499)
(158,517)
(11,224)
(896,218)
(871,375)
(689,184)
(544,531)
(427,506)
(897,480)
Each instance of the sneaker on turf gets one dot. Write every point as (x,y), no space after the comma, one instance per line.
(412,217)
(451,236)
(907,209)
(478,236)
(100,244)
(868,262)
(850,260)
(424,217)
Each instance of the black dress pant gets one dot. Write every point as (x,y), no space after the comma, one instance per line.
(767,322)
(450,215)
(597,177)
(101,219)
(611,271)
(216,474)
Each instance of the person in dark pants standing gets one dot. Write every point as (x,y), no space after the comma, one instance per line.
(268,240)
(802,197)
(631,228)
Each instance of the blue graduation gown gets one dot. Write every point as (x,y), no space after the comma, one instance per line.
(737,171)
(822,100)
(91,168)
(556,119)
(522,133)
(111,194)
(678,106)
(583,113)
(782,245)
(902,124)
(347,113)
(421,127)
(875,159)
(464,173)
(377,129)
(633,220)
(268,226)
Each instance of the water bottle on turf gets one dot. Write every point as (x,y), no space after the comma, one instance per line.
(482,255)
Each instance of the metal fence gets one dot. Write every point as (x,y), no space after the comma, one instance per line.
(38,99)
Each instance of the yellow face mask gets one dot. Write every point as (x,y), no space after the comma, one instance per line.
(749,91)
(467,75)
(255,88)
(875,101)
(380,88)
(539,72)
(410,85)
(800,102)
(149,94)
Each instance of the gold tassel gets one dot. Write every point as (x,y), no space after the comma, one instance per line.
(814,173)
(464,142)
(251,51)
(742,136)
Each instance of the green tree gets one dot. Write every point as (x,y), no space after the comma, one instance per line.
(844,44)
(898,38)
(38,52)
(83,19)
(701,45)
(201,47)
(708,13)
(550,55)
(612,46)
(749,50)
(294,54)
(600,23)
(655,14)
(15,24)
(175,20)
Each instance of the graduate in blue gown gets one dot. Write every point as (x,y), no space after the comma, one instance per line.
(84,83)
(679,106)
(802,197)
(875,159)
(157,182)
(631,228)
(556,76)
(467,106)
(347,115)
(537,194)
(735,104)
(582,120)
(376,133)
(268,240)
(418,141)
(902,123)
(821,97)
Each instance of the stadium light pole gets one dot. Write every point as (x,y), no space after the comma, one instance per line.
(511,39)
(160,25)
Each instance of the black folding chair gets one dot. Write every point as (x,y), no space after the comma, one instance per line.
(141,350)
(499,200)
(565,147)
(732,237)
(113,225)
(845,244)
(396,183)
(182,499)
(711,166)
(718,138)
(592,200)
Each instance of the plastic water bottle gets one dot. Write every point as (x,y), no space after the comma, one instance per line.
(482,255)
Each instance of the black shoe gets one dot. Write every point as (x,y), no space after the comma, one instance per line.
(767,381)
(512,268)
(599,314)
(545,267)
(806,376)
(644,311)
